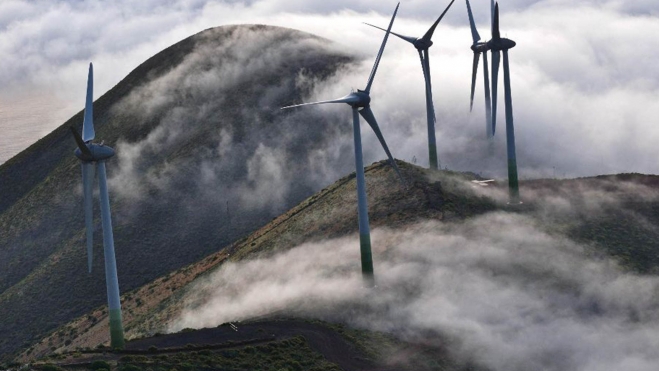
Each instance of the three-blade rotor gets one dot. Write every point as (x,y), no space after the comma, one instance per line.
(423,45)
(426,40)
(361,99)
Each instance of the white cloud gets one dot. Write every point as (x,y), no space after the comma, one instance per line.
(584,80)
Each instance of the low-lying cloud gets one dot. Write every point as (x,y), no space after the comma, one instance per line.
(509,295)
(215,130)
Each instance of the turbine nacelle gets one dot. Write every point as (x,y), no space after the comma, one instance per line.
(480,47)
(97,152)
(422,44)
(501,44)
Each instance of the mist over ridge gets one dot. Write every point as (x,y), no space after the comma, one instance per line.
(496,289)
(507,290)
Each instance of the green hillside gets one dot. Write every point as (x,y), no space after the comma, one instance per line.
(589,211)
(328,214)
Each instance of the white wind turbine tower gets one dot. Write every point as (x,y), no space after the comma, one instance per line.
(360,103)
(93,156)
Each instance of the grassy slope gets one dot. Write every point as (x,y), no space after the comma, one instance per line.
(329,213)
(443,195)
(618,215)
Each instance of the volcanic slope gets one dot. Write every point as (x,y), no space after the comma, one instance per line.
(204,157)
(330,213)
(614,216)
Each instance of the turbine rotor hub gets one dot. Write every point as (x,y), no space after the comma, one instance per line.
(364,99)
(99,152)
(422,44)
(480,47)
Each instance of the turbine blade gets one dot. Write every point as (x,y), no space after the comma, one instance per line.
(425,66)
(346,99)
(488,102)
(507,93)
(491,15)
(496,56)
(87,186)
(88,123)
(513,183)
(430,113)
(430,106)
(431,31)
(367,114)
(377,59)
(81,144)
(426,76)
(495,23)
(473,79)
(409,39)
(474,33)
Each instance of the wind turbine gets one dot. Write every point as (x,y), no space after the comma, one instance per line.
(497,45)
(93,156)
(360,103)
(481,48)
(422,45)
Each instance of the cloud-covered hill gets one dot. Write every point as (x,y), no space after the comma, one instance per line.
(204,156)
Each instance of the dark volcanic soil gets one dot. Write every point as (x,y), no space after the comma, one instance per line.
(328,342)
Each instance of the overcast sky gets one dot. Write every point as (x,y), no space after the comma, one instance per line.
(585,77)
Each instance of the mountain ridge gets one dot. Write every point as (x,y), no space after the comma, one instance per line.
(448,197)
(383,190)
(41,245)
